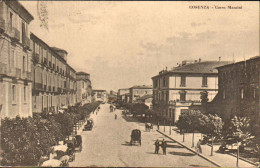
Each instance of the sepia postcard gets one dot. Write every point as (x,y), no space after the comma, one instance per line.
(129,83)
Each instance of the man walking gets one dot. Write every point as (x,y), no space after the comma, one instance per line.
(157,146)
(164,145)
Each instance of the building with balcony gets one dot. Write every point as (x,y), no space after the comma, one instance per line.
(176,90)
(139,91)
(54,81)
(15,60)
(100,95)
(238,91)
(121,95)
(84,88)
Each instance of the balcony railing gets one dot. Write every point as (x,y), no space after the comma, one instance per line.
(15,34)
(2,25)
(18,73)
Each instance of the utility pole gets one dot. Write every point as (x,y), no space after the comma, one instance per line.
(170,128)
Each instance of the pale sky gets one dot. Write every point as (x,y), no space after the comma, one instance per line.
(122,44)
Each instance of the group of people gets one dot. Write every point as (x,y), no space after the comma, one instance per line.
(163,146)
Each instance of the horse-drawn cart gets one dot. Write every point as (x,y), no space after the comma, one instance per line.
(135,137)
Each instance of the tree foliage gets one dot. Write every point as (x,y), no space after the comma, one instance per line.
(25,140)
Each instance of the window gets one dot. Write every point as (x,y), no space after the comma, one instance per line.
(242,93)
(23,63)
(23,32)
(13,93)
(224,94)
(11,20)
(204,81)
(182,96)
(183,81)
(24,93)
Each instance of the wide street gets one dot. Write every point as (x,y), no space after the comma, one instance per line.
(107,145)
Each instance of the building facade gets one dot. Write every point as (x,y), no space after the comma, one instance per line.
(15,60)
(84,88)
(146,99)
(100,95)
(54,81)
(139,91)
(176,90)
(121,95)
(238,90)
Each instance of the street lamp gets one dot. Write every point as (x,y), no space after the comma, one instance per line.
(170,128)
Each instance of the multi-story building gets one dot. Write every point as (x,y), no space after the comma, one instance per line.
(54,81)
(121,95)
(84,88)
(100,95)
(112,96)
(174,91)
(15,60)
(238,90)
(139,91)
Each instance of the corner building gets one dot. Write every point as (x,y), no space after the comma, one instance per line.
(15,60)
(54,81)
(176,90)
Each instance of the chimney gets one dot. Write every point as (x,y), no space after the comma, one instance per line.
(199,59)
(219,59)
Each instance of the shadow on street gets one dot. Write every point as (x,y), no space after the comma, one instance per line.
(181,153)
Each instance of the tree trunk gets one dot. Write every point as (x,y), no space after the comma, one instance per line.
(212,146)
(192,139)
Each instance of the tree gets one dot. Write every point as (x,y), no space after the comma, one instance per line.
(139,109)
(213,128)
(191,121)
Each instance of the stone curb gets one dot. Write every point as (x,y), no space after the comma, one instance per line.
(241,158)
(218,165)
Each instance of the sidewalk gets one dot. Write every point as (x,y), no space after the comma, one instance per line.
(224,160)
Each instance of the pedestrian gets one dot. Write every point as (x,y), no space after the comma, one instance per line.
(198,146)
(115,116)
(158,126)
(164,146)
(157,145)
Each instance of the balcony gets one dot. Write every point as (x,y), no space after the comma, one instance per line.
(18,73)
(3,68)
(26,42)
(15,35)
(2,25)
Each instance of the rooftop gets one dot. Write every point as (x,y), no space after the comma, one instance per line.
(205,67)
(142,87)
(145,97)
(82,73)
(240,62)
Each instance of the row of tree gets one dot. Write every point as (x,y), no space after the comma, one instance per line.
(25,140)
(236,131)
